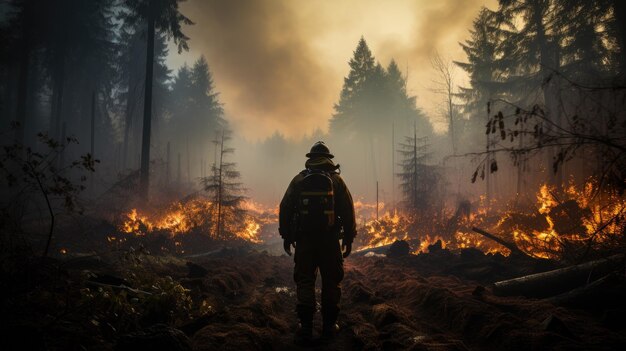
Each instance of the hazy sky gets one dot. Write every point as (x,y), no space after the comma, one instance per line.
(279,65)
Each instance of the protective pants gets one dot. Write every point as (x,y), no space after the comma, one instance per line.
(313,253)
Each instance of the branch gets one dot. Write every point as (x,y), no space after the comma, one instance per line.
(45,194)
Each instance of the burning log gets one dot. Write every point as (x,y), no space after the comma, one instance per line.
(514,249)
(558,281)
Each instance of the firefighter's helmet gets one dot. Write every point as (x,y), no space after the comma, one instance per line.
(319,149)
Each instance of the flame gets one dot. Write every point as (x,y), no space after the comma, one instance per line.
(594,220)
(428,241)
(251,231)
(544,229)
(198,215)
(386,230)
(579,216)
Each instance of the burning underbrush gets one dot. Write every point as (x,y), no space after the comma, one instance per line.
(193,225)
(567,225)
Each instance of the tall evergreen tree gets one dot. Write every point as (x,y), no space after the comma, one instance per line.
(362,67)
(590,43)
(373,98)
(484,64)
(162,16)
(488,70)
(195,111)
(401,107)
(131,90)
(205,100)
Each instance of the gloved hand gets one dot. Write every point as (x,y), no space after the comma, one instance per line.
(346,247)
(287,246)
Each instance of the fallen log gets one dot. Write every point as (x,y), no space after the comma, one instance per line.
(558,281)
(377,250)
(119,287)
(589,293)
(508,245)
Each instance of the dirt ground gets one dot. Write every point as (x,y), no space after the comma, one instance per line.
(390,304)
(437,301)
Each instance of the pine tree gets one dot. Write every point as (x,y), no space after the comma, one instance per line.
(400,107)
(373,98)
(207,107)
(195,112)
(487,69)
(131,85)
(362,67)
(483,65)
(418,180)
(162,16)
(225,188)
(64,54)
(589,39)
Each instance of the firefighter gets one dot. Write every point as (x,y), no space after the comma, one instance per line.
(317,246)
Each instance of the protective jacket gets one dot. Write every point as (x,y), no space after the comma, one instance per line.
(344,207)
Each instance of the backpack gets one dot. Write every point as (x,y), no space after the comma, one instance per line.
(316,202)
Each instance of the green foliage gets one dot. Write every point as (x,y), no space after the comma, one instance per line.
(153,297)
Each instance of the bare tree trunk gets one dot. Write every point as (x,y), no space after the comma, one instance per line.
(93,135)
(167,167)
(22,88)
(219,189)
(147,108)
(128,121)
(188,165)
(93,122)
(178,172)
(57,94)
(619,8)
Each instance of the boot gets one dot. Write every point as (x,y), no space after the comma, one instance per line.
(329,331)
(304,335)
(329,322)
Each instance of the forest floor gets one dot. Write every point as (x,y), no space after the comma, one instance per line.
(242,299)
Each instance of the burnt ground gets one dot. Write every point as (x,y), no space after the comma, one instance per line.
(244,300)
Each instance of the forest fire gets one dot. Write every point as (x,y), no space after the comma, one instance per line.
(554,227)
(198,216)
(582,219)
(386,230)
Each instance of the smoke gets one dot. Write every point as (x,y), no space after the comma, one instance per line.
(279,65)
(269,75)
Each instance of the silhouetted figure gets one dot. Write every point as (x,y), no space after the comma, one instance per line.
(316,211)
